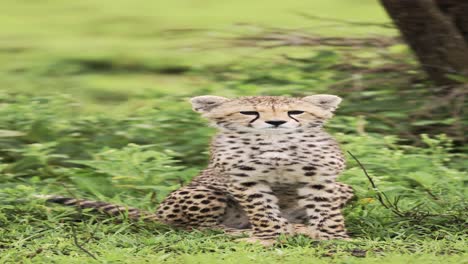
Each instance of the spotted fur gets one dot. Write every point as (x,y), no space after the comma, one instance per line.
(273,168)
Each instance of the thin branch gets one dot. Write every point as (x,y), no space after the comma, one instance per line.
(281,39)
(380,195)
(347,22)
(75,240)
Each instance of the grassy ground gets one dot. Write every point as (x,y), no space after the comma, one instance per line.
(93,104)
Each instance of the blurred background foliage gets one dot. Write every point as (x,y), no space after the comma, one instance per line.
(93,103)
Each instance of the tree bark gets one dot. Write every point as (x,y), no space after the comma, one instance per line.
(437,32)
(457,12)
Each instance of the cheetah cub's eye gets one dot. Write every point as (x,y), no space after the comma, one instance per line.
(295,112)
(249,112)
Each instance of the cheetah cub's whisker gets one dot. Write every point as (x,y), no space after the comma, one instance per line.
(272,169)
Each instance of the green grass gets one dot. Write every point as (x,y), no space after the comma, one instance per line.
(93,104)
(127,243)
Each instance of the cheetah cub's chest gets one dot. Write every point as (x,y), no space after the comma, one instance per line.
(278,158)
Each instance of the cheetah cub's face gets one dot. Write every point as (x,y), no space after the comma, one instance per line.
(267,113)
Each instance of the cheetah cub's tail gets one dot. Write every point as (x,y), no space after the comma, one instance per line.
(103,207)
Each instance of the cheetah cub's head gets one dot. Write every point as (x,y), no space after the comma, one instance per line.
(267,113)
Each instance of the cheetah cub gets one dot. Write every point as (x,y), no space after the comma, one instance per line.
(273,169)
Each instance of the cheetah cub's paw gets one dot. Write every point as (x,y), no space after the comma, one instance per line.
(317,235)
(300,229)
(266,242)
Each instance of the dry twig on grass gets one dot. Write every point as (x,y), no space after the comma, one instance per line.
(75,241)
(346,22)
(383,199)
(276,39)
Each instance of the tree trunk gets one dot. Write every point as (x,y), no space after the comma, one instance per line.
(437,32)
(457,12)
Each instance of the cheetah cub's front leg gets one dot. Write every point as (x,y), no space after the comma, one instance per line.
(262,209)
(323,202)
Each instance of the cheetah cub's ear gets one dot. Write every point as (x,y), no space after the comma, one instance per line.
(325,101)
(205,103)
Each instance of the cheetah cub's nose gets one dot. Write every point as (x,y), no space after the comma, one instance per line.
(276,123)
